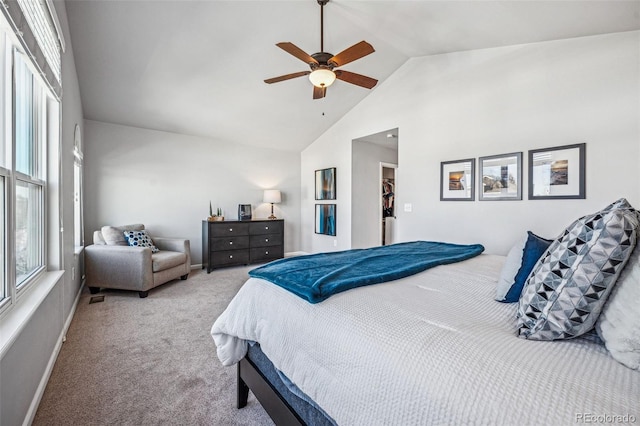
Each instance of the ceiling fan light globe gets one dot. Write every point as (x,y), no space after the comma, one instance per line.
(322,77)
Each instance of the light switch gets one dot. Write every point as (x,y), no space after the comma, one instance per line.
(408,207)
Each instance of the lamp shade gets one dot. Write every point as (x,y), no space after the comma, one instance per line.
(322,77)
(272,196)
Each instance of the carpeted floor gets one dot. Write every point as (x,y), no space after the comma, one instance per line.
(132,361)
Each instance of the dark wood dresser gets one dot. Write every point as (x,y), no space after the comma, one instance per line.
(233,242)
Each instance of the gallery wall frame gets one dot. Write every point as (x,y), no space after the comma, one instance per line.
(457,180)
(558,172)
(500,177)
(326,219)
(326,184)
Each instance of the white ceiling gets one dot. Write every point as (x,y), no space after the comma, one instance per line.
(197,67)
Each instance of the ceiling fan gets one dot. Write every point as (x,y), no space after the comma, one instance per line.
(323,64)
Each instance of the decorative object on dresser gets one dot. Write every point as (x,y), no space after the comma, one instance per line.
(244,211)
(215,217)
(272,196)
(231,243)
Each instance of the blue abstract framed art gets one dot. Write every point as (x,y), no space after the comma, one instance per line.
(326,219)
(326,184)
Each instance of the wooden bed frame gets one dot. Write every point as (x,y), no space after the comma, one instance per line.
(250,377)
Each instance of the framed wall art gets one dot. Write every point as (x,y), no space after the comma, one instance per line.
(557,173)
(457,180)
(326,219)
(326,184)
(500,177)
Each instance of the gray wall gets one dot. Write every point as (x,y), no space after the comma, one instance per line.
(166,180)
(26,365)
(487,102)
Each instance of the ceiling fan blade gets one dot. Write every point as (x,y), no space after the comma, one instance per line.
(294,50)
(352,53)
(287,77)
(357,79)
(319,92)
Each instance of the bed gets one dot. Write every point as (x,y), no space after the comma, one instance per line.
(431,348)
(436,347)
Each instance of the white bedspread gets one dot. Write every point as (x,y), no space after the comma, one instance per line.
(434,348)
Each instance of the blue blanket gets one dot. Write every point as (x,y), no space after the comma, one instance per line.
(316,277)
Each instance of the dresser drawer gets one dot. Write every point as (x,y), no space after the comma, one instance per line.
(265,227)
(230,257)
(226,229)
(265,254)
(266,240)
(230,243)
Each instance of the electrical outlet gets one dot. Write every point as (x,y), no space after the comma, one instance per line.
(408,207)
(335,243)
(73,273)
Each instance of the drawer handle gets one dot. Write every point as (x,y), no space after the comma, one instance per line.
(266,252)
(231,256)
(230,243)
(266,227)
(230,229)
(266,240)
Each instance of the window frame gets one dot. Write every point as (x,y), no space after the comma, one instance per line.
(40,122)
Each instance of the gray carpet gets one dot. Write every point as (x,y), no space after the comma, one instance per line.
(132,361)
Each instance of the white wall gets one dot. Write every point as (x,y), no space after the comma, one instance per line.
(366,195)
(166,180)
(493,101)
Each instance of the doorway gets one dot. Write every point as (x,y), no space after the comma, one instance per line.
(369,153)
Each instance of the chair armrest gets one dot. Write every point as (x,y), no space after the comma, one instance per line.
(175,244)
(172,244)
(121,267)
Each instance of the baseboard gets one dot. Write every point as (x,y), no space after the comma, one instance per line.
(197,266)
(33,408)
(295,253)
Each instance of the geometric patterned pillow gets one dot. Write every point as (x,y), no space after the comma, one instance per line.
(569,285)
(140,239)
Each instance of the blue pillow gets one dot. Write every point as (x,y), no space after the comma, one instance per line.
(533,250)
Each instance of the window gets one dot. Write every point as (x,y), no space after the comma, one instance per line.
(27,108)
(29,129)
(78,217)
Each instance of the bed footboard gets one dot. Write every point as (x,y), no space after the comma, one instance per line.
(249,377)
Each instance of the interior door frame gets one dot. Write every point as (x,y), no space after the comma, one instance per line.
(384,165)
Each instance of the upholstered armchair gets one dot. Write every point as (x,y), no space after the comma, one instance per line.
(112,263)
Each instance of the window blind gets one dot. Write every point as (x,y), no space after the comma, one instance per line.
(35,23)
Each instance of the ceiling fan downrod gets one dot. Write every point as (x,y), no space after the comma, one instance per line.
(322,3)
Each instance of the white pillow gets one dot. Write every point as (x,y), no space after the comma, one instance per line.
(619,322)
(510,268)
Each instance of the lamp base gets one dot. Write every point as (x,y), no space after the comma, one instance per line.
(272,217)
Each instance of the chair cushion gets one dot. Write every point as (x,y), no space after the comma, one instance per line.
(167,259)
(113,235)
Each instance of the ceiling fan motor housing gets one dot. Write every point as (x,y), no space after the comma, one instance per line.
(323,61)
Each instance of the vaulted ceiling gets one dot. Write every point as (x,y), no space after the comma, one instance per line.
(197,67)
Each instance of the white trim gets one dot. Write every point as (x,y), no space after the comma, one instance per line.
(17,316)
(33,408)
(384,165)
